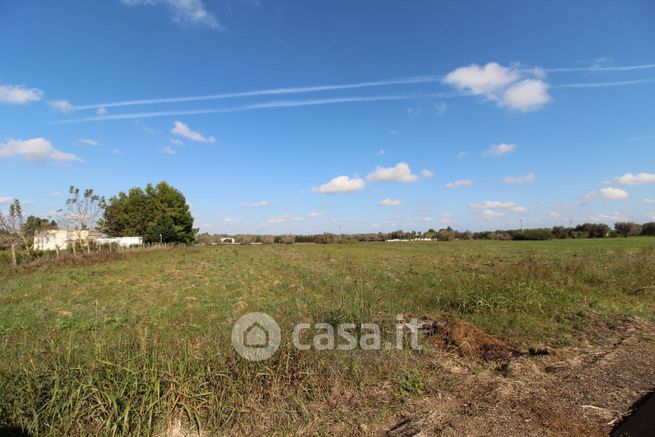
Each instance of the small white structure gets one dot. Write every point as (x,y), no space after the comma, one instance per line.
(121,241)
(61,239)
(228,240)
(58,239)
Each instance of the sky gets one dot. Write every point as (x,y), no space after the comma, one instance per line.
(345,116)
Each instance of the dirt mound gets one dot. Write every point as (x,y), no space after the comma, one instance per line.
(468,340)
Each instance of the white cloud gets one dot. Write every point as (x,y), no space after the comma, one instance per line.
(502,85)
(183,130)
(101,111)
(461,155)
(446,218)
(341,184)
(425,219)
(314,214)
(486,80)
(459,183)
(283,219)
(427,174)
(614,193)
(260,204)
(88,142)
(34,149)
(648,201)
(5,199)
(183,12)
(606,218)
(177,142)
(18,95)
(116,152)
(495,204)
(398,173)
(61,105)
(55,194)
(499,149)
(636,179)
(379,153)
(527,95)
(490,214)
(517,180)
(168,150)
(228,220)
(389,202)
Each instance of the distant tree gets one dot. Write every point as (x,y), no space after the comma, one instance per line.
(648,228)
(12,226)
(446,234)
(83,209)
(140,213)
(627,229)
(35,224)
(594,230)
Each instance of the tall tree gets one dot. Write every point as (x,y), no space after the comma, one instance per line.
(150,212)
(11,226)
(83,209)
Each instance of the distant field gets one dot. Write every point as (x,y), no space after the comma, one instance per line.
(141,345)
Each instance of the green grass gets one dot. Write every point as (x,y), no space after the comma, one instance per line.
(132,345)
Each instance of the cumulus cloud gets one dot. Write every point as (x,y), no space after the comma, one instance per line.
(19,95)
(398,173)
(526,95)
(260,204)
(486,80)
(614,193)
(459,183)
(505,85)
(183,130)
(341,184)
(61,105)
(183,12)
(315,214)
(427,174)
(499,149)
(389,202)
(636,179)
(35,149)
(517,180)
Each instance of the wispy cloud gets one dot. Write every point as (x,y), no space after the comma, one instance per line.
(249,107)
(603,84)
(266,92)
(400,172)
(518,180)
(183,12)
(183,130)
(593,68)
(259,204)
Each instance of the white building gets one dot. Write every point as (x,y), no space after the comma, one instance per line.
(60,239)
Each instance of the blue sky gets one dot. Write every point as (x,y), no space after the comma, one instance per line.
(308,116)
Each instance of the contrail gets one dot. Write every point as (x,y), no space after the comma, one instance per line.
(592,69)
(265,92)
(253,106)
(603,84)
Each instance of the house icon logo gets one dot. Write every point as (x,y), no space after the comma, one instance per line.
(256,336)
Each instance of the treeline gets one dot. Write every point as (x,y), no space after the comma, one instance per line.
(586,230)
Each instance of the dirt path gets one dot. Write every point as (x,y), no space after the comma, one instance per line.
(569,392)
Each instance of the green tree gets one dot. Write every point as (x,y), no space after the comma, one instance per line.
(149,212)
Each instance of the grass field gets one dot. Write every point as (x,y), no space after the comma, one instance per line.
(140,345)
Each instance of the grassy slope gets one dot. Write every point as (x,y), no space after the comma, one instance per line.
(132,344)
